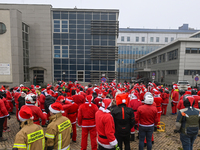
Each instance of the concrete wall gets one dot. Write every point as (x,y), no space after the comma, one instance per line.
(5,46)
(189,61)
(38,18)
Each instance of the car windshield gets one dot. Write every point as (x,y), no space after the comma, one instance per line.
(183,82)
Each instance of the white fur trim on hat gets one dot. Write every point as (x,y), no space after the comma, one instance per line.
(22,119)
(55,111)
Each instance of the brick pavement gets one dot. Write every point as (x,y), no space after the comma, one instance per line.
(163,140)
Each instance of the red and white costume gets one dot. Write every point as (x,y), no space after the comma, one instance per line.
(86,119)
(105,126)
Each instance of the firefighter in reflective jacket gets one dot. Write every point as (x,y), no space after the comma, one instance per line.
(31,136)
(58,132)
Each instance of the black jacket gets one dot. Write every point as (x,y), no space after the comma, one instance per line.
(48,101)
(124,119)
(21,101)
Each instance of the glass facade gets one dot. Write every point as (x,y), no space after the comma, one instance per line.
(127,55)
(25,38)
(79,40)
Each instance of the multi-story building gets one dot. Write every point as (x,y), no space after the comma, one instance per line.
(175,61)
(84,44)
(134,43)
(63,44)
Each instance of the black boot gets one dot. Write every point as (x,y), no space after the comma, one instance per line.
(145,144)
(132,137)
(138,136)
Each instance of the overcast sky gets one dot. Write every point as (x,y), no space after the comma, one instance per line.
(161,14)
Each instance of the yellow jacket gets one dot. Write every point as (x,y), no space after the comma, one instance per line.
(30,137)
(58,132)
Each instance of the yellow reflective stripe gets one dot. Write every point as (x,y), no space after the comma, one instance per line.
(59,141)
(64,125)
(29,147)
(17,145)
(32,137)
(43,144)
(51,136)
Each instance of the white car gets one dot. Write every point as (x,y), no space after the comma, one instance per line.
(183,85)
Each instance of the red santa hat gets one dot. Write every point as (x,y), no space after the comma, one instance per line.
(191,100)
(89,99)
(100,94)
(56,108)
(106,103)
(43,90)
(37,87)
(166,89)
(60,97)
(25,113)
(122,99)
(32,86)
(156,92)
(189,88)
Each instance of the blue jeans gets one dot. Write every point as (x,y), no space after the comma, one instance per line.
(187,141)
(145,132)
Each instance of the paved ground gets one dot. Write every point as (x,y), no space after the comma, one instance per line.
(167,140)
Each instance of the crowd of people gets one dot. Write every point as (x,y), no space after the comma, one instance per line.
(113,114)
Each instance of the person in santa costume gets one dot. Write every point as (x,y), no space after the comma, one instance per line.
(165,97)
(37,112)
(148,119)
(86,119)
(134,103)
(124,120)
(175,99)
(158,100)
(106,127)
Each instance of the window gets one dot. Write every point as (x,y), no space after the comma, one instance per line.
(61,51)
(39,76)
(128,39)
(151,39)
(166,39)
(157,39)
(25,38)
(143,39)
(189,72)
(2,28)
(149,61)
(192,50)
(172,38)
(61,26)
(122,38)
(137,39)
(171,72)
(172,55)
(154,60)
(161,58)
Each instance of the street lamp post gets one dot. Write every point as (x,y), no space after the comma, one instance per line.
(63,76)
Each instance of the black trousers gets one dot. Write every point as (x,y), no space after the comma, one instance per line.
(102,148)
(125,140)
(1,126)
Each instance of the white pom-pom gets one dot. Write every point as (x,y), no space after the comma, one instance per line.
(90,105)
(123,101)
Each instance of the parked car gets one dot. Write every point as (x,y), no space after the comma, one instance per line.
(133,79)
(183,85)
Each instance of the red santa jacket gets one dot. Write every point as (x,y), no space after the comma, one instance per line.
(37,113)
(78,99)
(105,128)
(180,104)
(158,101)
(175,96)
(147,115)
(82,93)
(8,96)
(42,100)
(3,110)
(165,97)
(89,91)
(16,96)
(197,100)
(86,115)
(6,104)
(72,112)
